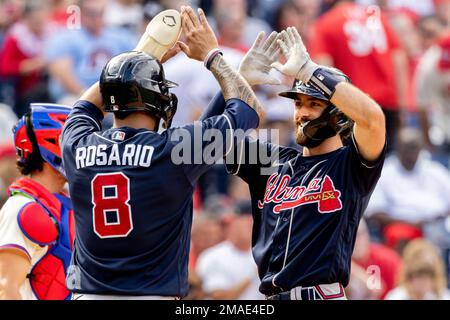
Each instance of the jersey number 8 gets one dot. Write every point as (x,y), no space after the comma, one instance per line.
(111,211)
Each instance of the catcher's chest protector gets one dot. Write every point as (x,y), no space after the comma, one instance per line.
(48,222)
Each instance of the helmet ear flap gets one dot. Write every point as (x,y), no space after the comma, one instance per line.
(331,122)
(170,111)
(35,153)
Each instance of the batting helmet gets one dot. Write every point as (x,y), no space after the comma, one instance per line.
(135,81)
(331,122)
(36,135)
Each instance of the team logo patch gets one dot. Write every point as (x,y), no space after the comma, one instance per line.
(118,136)
(170,21)
(320,191)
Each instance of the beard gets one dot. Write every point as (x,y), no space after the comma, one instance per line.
(300,138)
(306,141)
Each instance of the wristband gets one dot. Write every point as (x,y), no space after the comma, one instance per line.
(326,79)
(210,57)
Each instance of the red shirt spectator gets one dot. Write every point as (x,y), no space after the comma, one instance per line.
(360,42)
(12,58)
(375,267)
(21,56)
(389,263)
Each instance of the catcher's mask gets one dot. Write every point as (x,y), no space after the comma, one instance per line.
(331,122)
(135,81)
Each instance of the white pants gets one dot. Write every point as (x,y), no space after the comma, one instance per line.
(82,296)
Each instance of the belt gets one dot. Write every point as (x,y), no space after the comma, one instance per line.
(334,291)
(83,296)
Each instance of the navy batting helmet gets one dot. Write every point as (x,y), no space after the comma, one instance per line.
(135,81)
(331,122)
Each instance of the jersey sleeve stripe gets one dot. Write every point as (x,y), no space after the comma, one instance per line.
(232,134)
(241,152)
(102,137)
(239,161)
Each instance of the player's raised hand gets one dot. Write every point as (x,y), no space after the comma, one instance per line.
(256,65)
(200,38)
(298,64)
(172,52)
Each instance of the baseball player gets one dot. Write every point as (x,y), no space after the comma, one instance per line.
(36,223)
(307,209)
(132,203)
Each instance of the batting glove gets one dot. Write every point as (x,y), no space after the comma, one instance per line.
(298,64)
(256,65)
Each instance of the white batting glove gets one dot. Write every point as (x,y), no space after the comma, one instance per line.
(256,65)
(298,64)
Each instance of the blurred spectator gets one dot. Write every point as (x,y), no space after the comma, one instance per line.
(236,10)
(228,270)
(219,205)
(430,29)
(10,13)
(361,43)
(76,57)
(310,8)
(206,232)
(404,23)
(21,60)
(266,10)
(237,189)
(422,7)
(196,85)
(286,15)
(442,11)
(230,23)
(176,4)
(438,233)
(433,98)
(8,170)
(412,191)
(195,291)
(279,121)
(374,269)
(422,276)
(296,13)
(7,121)
(58,11)
(150,10)
(126,14)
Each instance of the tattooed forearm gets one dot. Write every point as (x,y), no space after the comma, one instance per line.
(233,85)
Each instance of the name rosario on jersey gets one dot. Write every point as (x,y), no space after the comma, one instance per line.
(320,191)
(99,155)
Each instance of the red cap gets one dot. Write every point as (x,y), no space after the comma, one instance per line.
(396,232)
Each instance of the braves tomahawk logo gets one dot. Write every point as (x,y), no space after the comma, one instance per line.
(320,191)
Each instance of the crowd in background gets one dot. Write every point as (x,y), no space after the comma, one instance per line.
(51,51)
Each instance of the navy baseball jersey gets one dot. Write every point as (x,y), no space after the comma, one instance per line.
(306,210)
(133,201)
